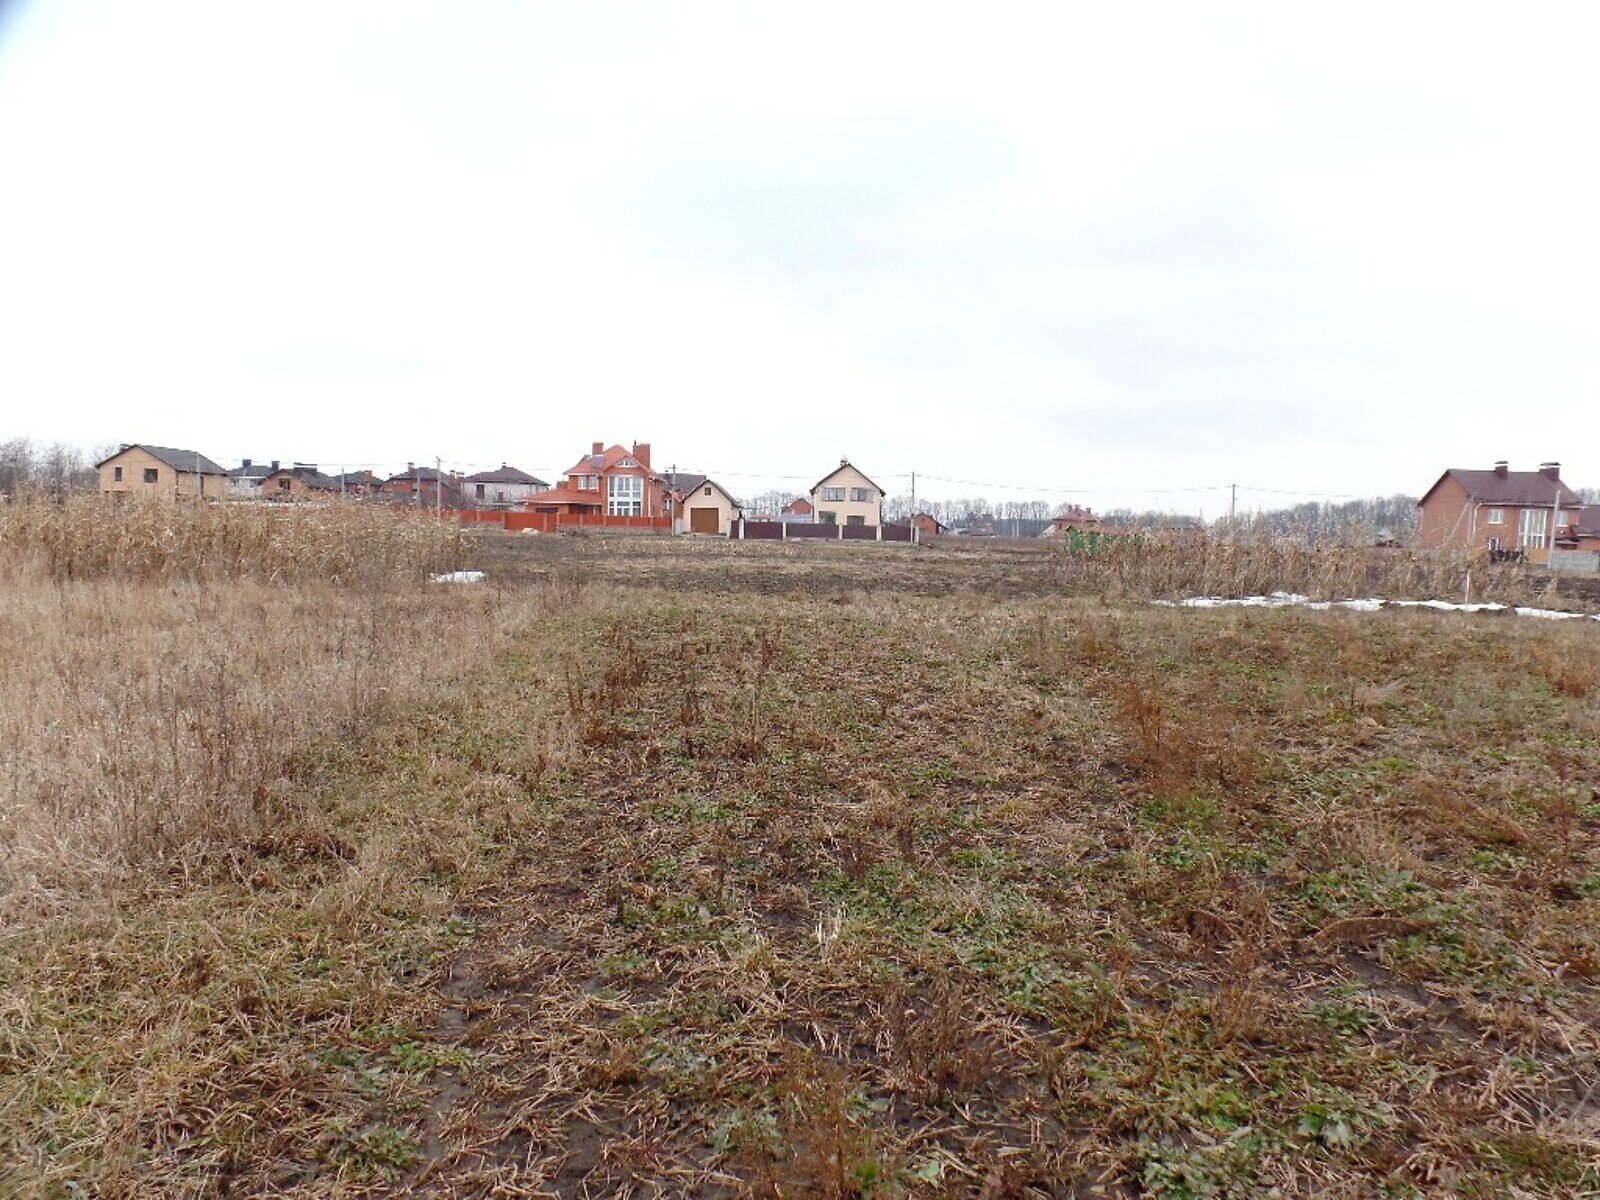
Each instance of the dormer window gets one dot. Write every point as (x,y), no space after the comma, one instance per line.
(626,462)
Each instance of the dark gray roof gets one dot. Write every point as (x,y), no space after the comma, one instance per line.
(1515,487)
(505,475)
(252,470)
(178,460)
(420,475)
(682,481)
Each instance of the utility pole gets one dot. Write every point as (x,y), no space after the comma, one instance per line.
(913,507)
(438,488)
(1233,496)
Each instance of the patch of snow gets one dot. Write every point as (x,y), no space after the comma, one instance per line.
(459,577)
(1369,604)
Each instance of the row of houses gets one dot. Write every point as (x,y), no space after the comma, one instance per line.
(610,481)
(1531,515)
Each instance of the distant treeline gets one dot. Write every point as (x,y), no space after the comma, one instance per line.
(56,469)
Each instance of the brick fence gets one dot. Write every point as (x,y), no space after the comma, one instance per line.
(517,520)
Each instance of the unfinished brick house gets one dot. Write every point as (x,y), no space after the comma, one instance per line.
(1498,510)
(144,470)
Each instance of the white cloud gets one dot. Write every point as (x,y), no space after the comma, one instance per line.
(1096,247)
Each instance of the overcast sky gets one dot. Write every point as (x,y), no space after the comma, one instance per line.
(1095,252)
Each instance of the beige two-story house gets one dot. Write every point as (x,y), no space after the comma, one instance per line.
(845,496)
(162,471)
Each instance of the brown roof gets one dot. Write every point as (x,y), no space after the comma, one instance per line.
(1515,487)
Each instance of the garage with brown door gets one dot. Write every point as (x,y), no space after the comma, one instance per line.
(704,520)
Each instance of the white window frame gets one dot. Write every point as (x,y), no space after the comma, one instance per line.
(625,495)
(861,495)
(831,495)
(1530,530)
(1497,516)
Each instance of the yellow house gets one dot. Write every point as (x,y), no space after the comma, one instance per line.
(847,497)
(161,471)
(701,505)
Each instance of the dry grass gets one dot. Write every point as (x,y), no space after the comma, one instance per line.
(827,887)
(89,537)
(1131,569)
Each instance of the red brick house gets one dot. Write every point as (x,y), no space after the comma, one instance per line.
(299,482)
(1499,510)
(608,481)
(1583,533)
(927,525)
(1074,519)
(800,506)
(422,485)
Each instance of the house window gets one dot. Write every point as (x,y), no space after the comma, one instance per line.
(708,490)
(1532,529)
(1494,545)
(1497,516)
(588,483)
(283,485)
(116,474)
(834,494)
(861,495)
(625,495)
(828,518)
(478,488)
(855,520)
(152,474)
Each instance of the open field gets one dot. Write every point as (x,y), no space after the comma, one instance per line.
(869,872)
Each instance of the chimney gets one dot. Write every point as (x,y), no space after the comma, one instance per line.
(641,451)
(411,468)
(245,463)
(844,462)
(1551,471)
(598,448)
(274,464)
(1501,469)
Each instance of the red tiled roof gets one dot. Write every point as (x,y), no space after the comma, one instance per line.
(599,464)
(565,493)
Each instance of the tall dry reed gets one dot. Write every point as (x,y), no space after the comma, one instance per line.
(91,537)
(162,665)
(1147,568)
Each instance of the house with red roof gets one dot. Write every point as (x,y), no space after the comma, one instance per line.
(608,481)
(1499,510)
